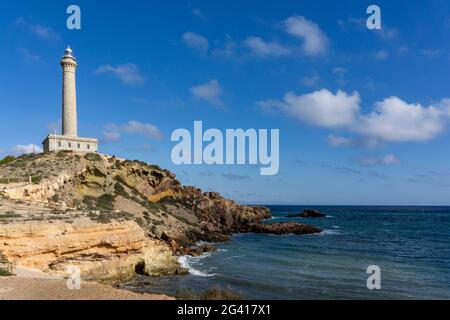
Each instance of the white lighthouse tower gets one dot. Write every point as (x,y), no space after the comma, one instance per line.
(69,139)
(69,94)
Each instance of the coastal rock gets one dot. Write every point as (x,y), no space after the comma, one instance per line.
(109,216)
(101,251)
(284,228)
(308,213)
(199,250)
(112,188)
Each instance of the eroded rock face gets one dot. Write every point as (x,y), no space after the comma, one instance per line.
(151,196)
(105,251)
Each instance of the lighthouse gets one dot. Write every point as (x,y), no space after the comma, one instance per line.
(69,139)
(69,94)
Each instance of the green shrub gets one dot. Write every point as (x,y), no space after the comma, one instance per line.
(36,179)
(6,160)
(157,222)
(5,273)
(90,201)
(9,215)
(107,217)
(93,157)
(155,167)
(186,294)
(120,190)
(4,261)
(214,293)
(140,221)
(106,202)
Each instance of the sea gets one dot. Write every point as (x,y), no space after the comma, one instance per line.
(410,245)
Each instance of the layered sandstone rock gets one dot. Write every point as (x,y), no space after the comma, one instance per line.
(101,251)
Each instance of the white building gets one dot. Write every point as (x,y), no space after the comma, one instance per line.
(69,139)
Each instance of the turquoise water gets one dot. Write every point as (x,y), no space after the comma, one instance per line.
(411,245)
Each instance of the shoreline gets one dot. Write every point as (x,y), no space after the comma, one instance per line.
(30,284)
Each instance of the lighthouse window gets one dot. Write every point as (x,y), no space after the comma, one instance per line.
(79,146)
(70,145)
(59,143)
(88,146)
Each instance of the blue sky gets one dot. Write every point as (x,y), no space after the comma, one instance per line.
(363,115)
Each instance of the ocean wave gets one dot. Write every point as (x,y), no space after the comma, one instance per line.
(187,261)
(274,218)
(202,243)
(328,232)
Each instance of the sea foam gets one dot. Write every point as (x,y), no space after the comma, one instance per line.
(188,261)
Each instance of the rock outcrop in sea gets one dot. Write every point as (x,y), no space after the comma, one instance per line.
(308,213)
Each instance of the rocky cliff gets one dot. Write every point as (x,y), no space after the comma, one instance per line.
(104,213)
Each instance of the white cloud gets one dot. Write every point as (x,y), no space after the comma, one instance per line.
(386,160)
(210,92)
(315,42)
(113,132)
(196,41)
(111,136)
(321,108)
(390,160)
(338,141)
(444,104)
(311,81)
(236,177)
(227,51)
(340,74)
(143,129)
(391,120)
(340,71)
(38,30)
(128,73)
(261,48)
(397,121)
(29,57)
(26,149)
(381,55)
(198,13)
(388,33)
(368,161)
(431,53)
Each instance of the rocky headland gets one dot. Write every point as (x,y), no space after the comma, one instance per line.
(113,217)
